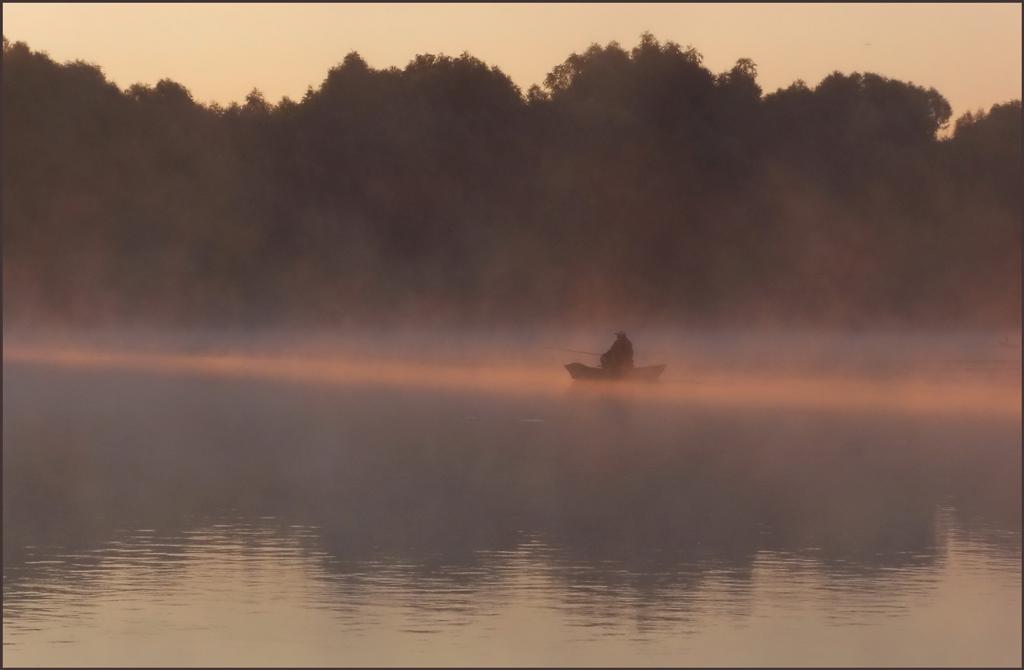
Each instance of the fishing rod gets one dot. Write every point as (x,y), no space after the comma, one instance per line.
(588,353)
(574,351)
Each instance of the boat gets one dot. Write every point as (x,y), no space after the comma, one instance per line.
(648,373)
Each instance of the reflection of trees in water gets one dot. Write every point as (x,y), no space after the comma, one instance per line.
(629,502)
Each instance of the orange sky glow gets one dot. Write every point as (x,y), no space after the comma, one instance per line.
(970,52)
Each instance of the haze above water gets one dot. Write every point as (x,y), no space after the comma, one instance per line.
(452,499)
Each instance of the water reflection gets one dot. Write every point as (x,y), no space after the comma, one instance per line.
(363,525)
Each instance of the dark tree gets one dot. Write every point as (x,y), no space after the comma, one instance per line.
(634,183)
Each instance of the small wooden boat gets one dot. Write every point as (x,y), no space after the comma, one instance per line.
(648,373)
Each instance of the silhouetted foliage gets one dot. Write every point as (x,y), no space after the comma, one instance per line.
(636,184)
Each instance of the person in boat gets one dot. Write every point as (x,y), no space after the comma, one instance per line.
(619,358)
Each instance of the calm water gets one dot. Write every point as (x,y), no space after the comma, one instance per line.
(161,519)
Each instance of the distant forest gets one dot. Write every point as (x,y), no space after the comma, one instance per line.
(634,186)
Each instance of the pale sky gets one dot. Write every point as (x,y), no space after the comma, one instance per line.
(970,52)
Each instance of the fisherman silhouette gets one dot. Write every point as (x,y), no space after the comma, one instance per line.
(619,358)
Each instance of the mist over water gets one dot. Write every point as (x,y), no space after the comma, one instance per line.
(452,498)
(398,470)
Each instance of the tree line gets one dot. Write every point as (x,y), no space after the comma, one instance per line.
(634,185)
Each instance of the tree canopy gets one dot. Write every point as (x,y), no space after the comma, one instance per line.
(635,184)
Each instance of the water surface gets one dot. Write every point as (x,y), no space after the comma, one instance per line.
(154,518)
